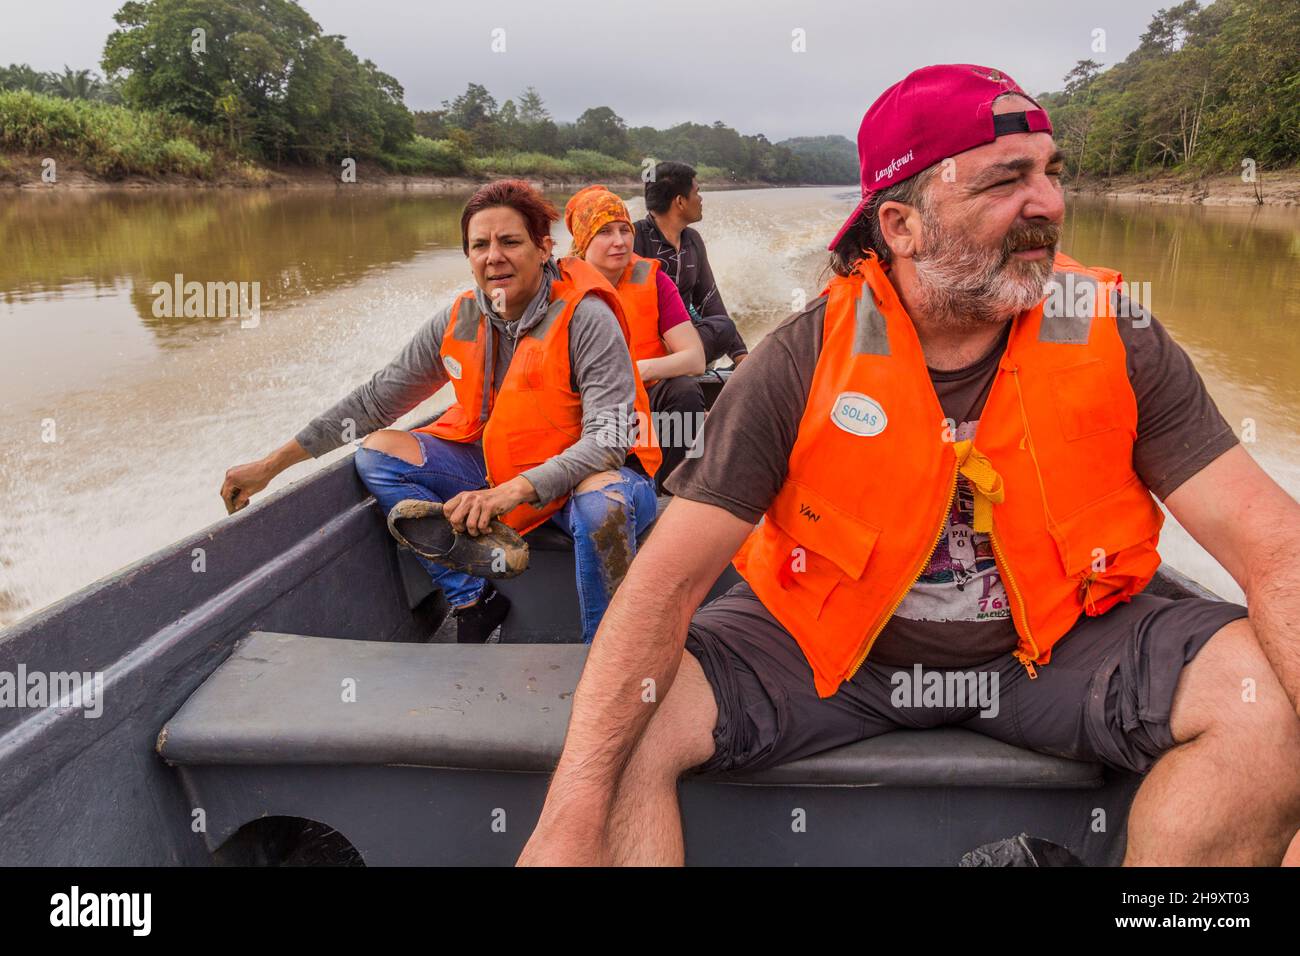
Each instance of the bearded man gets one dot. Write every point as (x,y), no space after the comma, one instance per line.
(949,460)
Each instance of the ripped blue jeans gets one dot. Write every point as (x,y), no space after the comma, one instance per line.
(452,467)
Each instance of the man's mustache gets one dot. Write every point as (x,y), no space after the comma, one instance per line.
(1032,236)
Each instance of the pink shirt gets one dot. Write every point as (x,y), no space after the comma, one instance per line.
(672,311)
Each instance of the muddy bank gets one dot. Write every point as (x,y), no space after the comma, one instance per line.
(24,172)
(1272,188)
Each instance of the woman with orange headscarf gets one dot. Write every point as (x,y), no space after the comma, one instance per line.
(664,343)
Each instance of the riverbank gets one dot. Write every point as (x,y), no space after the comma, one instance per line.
(24,171)
(20,171)
(1272,188)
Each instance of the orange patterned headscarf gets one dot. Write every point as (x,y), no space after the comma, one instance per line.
(588,211)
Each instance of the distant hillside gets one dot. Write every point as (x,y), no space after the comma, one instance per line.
(826,160)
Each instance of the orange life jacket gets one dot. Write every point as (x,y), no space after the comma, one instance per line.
(638,289)
(537,413)
(874,470)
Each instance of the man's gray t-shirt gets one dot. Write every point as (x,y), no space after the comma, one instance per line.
(956,615)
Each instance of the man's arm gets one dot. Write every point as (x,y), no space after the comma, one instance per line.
(641,636)
(720,495)
(1252,527)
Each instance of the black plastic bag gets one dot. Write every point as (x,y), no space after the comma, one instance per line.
(1022,850)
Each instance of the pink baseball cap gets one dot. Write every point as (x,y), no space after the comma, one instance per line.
(931,114)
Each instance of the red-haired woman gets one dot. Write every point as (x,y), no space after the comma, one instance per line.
(538,356)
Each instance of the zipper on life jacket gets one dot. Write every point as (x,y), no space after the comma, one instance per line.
(925,560)
(490,393)
(1085,593)
(1005,570)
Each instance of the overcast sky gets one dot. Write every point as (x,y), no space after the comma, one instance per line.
(661,62)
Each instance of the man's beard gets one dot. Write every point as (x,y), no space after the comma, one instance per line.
(963,284)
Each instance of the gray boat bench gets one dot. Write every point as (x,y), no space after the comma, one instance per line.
(422,754)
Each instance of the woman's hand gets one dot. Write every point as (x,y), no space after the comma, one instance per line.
(473,511)
(244,481)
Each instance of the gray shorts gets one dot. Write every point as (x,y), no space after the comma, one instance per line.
(1106,696)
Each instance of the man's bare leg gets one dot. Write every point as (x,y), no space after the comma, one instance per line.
(1229,793)
(645,823)
(1292,857)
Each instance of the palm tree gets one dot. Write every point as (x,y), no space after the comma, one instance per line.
(20,76)
(74,84)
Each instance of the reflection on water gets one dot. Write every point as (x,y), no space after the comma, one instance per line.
(294,243)
(149,412)
(1224,279)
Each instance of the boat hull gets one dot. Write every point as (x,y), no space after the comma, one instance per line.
(312,559)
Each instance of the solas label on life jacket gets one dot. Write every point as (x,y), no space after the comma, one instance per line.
(452,366)
(858,414)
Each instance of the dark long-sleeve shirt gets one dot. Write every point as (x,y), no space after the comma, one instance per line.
(688,268)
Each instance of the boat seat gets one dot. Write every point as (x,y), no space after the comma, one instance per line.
(289,723)
(278,699)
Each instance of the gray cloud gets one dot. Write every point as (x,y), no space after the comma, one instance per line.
(666,61)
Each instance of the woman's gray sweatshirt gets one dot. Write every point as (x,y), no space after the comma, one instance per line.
(601,370)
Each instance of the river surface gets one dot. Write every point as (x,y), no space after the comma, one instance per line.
(119,424)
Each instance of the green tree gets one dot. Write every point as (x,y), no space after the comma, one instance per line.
(340,106)
(1208,87)
(248,49)
(510,131)
(1169,28)
(1079,79)
(73,84)
(261,71)
(603,130)
(1259,65)
(475,112)
(20,76)
(430,123)
(531,108)
(537,131)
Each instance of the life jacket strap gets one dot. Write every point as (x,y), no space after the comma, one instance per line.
(989,490)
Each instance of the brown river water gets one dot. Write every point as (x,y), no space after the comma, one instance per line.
(119,423)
